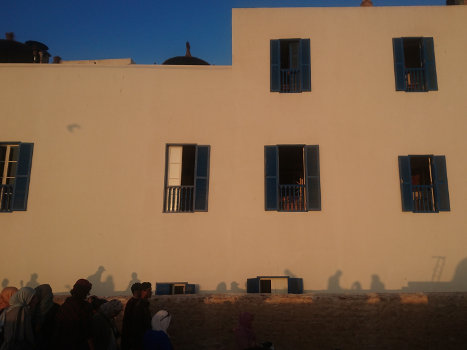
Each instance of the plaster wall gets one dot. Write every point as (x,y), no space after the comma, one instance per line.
(100,133)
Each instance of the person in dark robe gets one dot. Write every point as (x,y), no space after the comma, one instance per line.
(73,330)
(16,321)
(44,317)
(141,319)
(127,323)
(105,332)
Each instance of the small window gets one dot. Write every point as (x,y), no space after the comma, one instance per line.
(290,65)
(275,285)
(174,288)
(187,178)
(15,169)
(414,64)
(292,181)
(424,183)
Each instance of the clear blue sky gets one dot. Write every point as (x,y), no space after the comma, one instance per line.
(145,30)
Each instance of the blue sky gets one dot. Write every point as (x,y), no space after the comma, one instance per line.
(146,30)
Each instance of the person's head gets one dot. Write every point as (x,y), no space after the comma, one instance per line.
(81,289)
(111,308)
(96,302)
(6,295)
(136,290)
(44,297)
(146,290)
(24,297)
(161,321)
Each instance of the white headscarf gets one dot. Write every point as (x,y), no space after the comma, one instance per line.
(161,321)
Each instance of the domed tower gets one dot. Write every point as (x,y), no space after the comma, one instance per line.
(187,60)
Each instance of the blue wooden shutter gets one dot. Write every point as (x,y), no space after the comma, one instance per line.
(252,285)
(271,167)
(163,288)
(399,64)
(275,65)
(305,71)
(190,289)
(295,285)
(313,186)
(405,176)
(202,178)
(440,181)
(23,172)
(429,64)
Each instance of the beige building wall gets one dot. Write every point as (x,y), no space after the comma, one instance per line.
(100,134)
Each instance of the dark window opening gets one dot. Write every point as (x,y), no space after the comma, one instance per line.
(291,178)
(265,286)
(188,165)
(413,52)
(422,184)
(290,54)
(179,289)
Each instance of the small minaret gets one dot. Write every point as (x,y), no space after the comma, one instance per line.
(188,53)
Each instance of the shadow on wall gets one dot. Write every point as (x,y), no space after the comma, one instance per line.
(457,284)
(376,285)
(222,288)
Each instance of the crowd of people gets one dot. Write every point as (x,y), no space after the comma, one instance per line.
(31,320)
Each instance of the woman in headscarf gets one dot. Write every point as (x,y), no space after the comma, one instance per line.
(157,338)
(5,296)
(17,321)
(73,321)
(44,317)
(105,332)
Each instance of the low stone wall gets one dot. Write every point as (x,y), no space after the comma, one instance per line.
(320,321)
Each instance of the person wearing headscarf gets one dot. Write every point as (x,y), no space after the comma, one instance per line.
(96,303)
(17,321)
(157,338)
(104,328)
(73,321)
(44,317)
(127,323)
(5,296)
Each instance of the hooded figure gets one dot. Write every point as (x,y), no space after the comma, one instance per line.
(17,321)
(105,332)
(157,338)
(5,296)
(44,316)
(73,331)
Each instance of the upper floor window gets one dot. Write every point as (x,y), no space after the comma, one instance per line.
(15,170)
(290,65)
(424,183)
(292,181)
(414,64)
(186,178)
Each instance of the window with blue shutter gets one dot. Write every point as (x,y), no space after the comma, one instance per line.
(414,64)
(424,183)
(292,180)
(15,172)
(186,178)
(290,65)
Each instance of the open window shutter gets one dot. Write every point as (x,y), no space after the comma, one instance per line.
(23,172)
(275,65)
(313,186)
(429,64)
(399,65)
(252,285)
(163,288)
(271,166)
(295,285)
(190,289)
(406,183)
(440,180)
(202,178)
(305,71)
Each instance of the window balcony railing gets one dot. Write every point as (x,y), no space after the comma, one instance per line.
(179,199)
(415,79)
(423,198)
(6,197)
(292,197)
(290,80)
